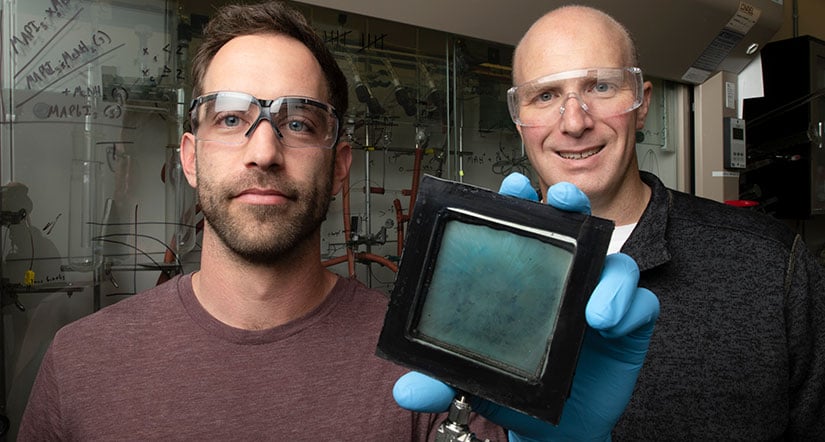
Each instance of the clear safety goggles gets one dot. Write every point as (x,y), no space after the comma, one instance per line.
(231,117)
(600,92)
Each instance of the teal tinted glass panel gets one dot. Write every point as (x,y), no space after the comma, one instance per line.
(495,296)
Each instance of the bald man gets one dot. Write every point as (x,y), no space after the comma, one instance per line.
(738,352)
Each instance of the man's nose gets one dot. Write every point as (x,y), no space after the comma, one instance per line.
(265,146)
(565,103)
(575,116)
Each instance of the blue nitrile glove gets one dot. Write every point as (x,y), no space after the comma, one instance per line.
(620,317)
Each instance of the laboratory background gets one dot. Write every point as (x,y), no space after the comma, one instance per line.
(95,97)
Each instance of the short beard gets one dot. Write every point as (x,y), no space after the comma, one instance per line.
(266,235)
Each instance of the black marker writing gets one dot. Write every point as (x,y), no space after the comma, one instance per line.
(29,33)
(71,111)
(58,8)
(68,59)
(84,91)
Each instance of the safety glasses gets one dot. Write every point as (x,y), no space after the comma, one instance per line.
(231,118)
(600,92)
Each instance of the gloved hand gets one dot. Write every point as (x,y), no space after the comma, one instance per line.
(620,318)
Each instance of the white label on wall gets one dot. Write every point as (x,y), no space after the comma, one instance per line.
(730,95)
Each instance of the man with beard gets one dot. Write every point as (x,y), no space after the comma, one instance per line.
(263,342)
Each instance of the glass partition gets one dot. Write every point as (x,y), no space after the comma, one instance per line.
(94,102)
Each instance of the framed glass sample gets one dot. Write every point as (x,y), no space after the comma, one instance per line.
(490,294)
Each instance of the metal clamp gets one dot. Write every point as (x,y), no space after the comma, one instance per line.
(455,427)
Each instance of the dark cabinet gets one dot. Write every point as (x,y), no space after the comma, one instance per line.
(786,156)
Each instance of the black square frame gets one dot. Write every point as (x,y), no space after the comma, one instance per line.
(419,331)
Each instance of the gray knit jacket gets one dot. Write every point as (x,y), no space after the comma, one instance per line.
(738,352)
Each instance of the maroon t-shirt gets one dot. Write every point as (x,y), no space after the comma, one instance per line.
(158,366)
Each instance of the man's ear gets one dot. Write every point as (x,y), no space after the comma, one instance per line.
(641,112)
(343,161)
(188,158)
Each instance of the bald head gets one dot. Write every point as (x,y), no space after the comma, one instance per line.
(571,37)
